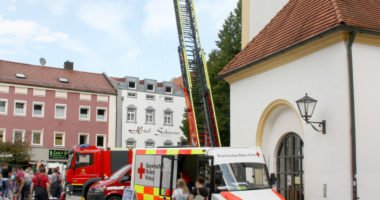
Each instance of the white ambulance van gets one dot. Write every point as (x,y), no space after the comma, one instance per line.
(230,173)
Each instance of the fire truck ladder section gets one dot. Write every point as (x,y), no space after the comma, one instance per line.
(203,124)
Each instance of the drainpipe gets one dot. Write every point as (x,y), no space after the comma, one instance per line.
(351,39)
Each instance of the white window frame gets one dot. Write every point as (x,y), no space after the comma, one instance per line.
(171,90)
(88,114)
(151,99)
(130,146)
(41,138)
(23,135)
(104,140)
(55,111)
(171,118)
(42,111)
(105,115)
(63,138)
(152,90)
(6,107)
(147,141)
(153,116)
(87,139)
(132,88)
(25,106)
(4,134)
(129,94)
(166,99)
(134,114)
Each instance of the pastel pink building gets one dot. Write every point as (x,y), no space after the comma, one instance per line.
(55,109)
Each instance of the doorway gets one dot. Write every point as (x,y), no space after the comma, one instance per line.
(290,174)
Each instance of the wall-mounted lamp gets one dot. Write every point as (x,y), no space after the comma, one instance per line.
(306,106)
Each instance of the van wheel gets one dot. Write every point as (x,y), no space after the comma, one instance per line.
(114,198)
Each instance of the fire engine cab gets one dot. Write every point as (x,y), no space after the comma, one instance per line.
(230,173)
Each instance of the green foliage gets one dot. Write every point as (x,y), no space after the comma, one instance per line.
(15,153)
(185,125)
(229,44)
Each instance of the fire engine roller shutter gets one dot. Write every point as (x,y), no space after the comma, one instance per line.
(118,160)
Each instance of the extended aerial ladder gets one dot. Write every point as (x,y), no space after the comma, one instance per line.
(203,124)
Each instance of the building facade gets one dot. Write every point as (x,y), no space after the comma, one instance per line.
(54,109)
(150,113)
(323,49)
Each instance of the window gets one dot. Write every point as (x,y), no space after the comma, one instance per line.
(169,99)
(168,89)
(168,118)
(131,143)
(149,143)
(18,136)
(150,97)
(63,80)
(84,113)
(149,116)
(38,109)
(60,111)
(21,76)
(85,159)
(3,106)
(100,141)
(131,114)
(36,137)
(2,135)
(150,87)
(132,95)
(83,138)
(59,139)
(131,85)
(101,114)
(168,143)
(20,108)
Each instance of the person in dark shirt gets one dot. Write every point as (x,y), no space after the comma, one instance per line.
(200,191)
(5,180)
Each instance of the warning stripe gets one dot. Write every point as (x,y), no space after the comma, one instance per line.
(230,196)
(148,193)
(278,194)
(170,152)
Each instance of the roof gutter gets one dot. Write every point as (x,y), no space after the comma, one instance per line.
(340,27)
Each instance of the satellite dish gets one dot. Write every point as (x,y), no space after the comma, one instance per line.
(42,61)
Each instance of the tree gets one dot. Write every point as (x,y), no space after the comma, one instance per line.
(229,44)
(185,125)
(15,153)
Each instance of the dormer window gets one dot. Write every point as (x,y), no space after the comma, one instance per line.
(132,85)
(63,80)
(168,89)
(150,87)
(19,75)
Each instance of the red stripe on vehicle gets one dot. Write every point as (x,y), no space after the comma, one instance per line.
(230,196)
(184,151)
(140,152)
(161,152)
(278,194)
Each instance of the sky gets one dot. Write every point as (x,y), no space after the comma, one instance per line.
(117,37)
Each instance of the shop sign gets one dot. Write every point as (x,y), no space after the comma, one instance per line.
(58,154)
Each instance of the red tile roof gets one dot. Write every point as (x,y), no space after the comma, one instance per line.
(42,76)
(301,20)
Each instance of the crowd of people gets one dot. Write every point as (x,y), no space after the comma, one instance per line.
(182,192)
(25,183)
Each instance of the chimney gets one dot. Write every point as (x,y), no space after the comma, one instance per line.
(68,65)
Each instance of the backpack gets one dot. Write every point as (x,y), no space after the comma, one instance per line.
(199,196)
(39,191)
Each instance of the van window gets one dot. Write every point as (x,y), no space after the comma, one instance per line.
(85,160)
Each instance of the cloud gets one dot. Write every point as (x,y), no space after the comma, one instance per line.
(107,16)
(159,18)
(215,11)
(55,7)
(12,8)
(21,32)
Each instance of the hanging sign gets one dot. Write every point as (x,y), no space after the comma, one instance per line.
(58,154)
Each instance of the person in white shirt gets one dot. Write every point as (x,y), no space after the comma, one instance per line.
(182,192)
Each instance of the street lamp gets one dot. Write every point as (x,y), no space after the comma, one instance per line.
(306,106)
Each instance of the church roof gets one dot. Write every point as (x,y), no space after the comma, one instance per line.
(301,20)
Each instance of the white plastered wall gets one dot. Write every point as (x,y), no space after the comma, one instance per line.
(324,76)
(367,103)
